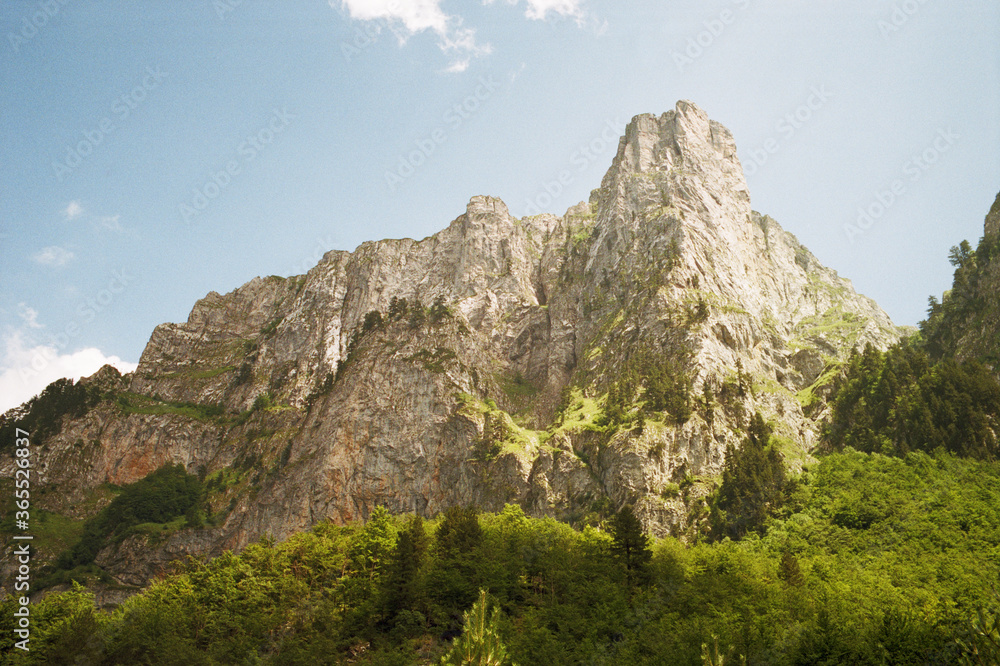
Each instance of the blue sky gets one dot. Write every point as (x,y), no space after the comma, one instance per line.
(151,152)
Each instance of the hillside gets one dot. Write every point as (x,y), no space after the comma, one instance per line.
(874,560)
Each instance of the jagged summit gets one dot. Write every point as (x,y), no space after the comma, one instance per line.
(682,142)
(568,364)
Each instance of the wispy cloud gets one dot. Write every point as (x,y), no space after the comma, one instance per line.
(458,66)
(72,210)
(28,315)
(110,223)
(514,73)
(538,10)
(53,255)
(410,17)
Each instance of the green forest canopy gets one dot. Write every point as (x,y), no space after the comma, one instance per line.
(872,560)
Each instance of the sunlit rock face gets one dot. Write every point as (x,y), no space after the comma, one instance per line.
(492,389)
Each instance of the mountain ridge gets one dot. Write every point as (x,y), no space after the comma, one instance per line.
(566,364)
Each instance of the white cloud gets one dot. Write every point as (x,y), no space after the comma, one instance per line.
(26,370)
(53,255)
(416,16)
(29,315)
(514,73)
(73,210)
(458,66)
(538,10)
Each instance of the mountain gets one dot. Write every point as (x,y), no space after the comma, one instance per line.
(965,324)
(566,364)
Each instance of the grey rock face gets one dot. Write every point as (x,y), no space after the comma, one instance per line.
(667,263)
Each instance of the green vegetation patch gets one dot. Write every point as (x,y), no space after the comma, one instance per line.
(51,532)
(501,434)
(151,505)
(843,326)
(516,386)
(579,413)
(212,372)
(874,560)
(899,401)
(807,397)
(135,403)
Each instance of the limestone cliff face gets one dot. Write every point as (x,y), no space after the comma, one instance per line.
(492,389)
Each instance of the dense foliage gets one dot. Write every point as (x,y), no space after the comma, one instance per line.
(43,415)
(168,493)
(649,385)
(970,307)
(753,484)
(899,401)
(876,560)
(629,544)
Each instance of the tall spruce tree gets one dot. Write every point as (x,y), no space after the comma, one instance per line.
(753,482)
(404,584)
(630,543)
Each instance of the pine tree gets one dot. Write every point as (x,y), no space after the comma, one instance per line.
(459,532)
(629,543)
(373,547)
(403,588)
(789,571)
(753,481)
(480,643)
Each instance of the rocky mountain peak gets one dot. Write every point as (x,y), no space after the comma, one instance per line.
(992,227)
(562,363)
(674,153)
(485,210)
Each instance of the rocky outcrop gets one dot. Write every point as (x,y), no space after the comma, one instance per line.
(992,226)
(965,324)
(475,366)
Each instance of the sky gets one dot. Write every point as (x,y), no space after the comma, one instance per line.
(152,152)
